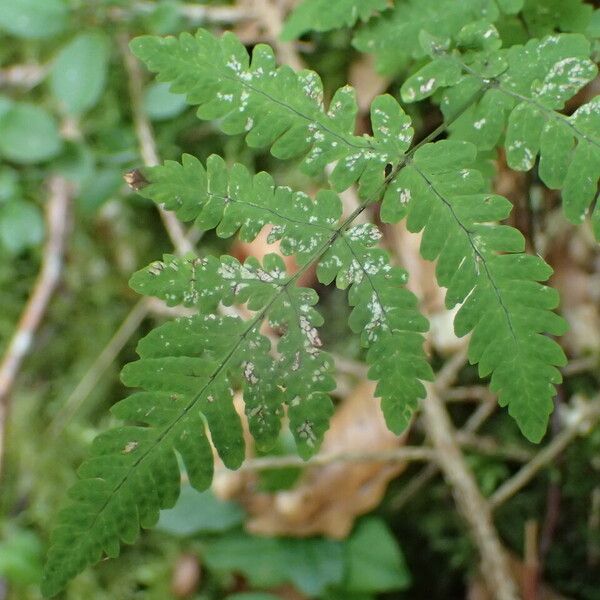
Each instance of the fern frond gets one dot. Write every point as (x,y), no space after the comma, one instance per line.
(394,37)
(189,367)
(483,266)
(279,108)
(323,15)
(546,16)
(385,313)
(386,316)
(528,86)
(232,200)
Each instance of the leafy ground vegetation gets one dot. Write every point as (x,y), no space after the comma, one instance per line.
(343,343)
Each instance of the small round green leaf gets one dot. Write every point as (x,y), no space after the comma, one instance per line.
(33,19)
(5,105)
(375,562)
(79,72)
(161,104)
(21,226)
(199,512)
(29,134)
(9,184)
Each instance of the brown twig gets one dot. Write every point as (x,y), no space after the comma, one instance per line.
(581,365)
(180,241)
(404,453)
(145,136)
(593,546)
(195,13)
(52,259)
(469,501)
(271,16)
(470,393)
(93,375)
(531,564)
(585,416)
(488,445)
(24,77)
(421,479)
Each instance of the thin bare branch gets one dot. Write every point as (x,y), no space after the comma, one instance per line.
(488,445)
(469,393)
(270,15)
(145,136)
(106,358)
(180,241)
(581,365)
(24,77)
(402,454)
(57,208)
(428,473)
(195,13)
(469,501)
(584,418)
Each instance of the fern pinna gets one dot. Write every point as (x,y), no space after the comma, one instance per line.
(189,367)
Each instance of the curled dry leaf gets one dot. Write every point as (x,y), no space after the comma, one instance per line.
(327,499)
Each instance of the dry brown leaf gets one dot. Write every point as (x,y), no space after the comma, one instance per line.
(329,498)
(422,282)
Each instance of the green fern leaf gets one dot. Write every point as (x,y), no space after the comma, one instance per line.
(394,37)
(232,200)
(529,85)
(545,16)
(483,266)
(279,108)
(386,316)
(323,15)
(301,370)
(385,313)
(187,369)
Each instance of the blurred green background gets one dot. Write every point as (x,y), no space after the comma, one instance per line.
(66,111)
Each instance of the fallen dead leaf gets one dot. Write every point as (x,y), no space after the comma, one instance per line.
(328,498)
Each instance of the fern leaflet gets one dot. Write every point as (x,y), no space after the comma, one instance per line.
(394,37)
(525,87)
(279,108)
(188,367)
(483,266)
(322,15)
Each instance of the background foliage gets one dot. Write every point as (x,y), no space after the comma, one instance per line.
(66,110)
